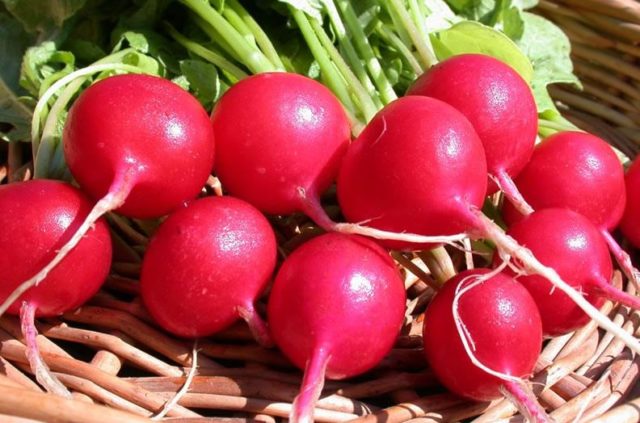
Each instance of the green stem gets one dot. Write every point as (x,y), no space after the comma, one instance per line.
(39,110)
(206,54)
(362,43)
(260,36)
(216,38)
(369,108)
(395,41)
(250,56)
(423,46)
(332,76)
(349,51)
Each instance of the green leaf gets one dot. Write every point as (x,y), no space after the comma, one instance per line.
(474,37)
(43,16)
(42,65)
(548,49)
(14,113)
(203,80)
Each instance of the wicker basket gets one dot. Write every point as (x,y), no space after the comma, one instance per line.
(110,353)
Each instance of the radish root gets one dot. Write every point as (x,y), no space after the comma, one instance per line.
(623,259)
(185,388)
(118,192)
(511,192)
(465,336)
(39,368)
(312,384)
(520,394)
(258,327)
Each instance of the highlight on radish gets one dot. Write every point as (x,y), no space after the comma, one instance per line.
(43,214)
(500,106)
(139,145)
(206,266)
(482,337)
(335,310)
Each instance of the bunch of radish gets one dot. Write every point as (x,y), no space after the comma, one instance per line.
(414,178)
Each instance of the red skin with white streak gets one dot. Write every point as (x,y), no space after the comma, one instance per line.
(37,217)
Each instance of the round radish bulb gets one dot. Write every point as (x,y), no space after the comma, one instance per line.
(415,176)
(140,144)
(416,167)
(146,127)
(581,172)
(498,103)
(503,324)
(280,138)
(42,215)
(569,243)
(630,224)
(335,310)
(206,266)
(573,170)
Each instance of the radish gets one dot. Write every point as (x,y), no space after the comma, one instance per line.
(482,334)
(140,144)
(37,218)
(630,224)
(280,138)
(416,170)
(498,103)
(569,243)
(581,172)
(335,310)
(391,170)
(206,266)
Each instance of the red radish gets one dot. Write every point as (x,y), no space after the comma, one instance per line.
(500,324)
(581,172)
(138,143)
(630,224)
(37,218)
(498,103)
(569,243)
(417,167)
(206,266)
(416,170)
(335,309)
(280,138)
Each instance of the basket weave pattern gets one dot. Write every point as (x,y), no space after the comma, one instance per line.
(109,352)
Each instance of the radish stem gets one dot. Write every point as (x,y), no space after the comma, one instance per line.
(38,366)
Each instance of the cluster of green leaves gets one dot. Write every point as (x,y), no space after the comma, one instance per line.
(367,52)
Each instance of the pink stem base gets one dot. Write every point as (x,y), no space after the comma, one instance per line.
(524,399)
(511,192)
(39,368)
(622,258)
(605,289)
(312,384)
(257,326)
